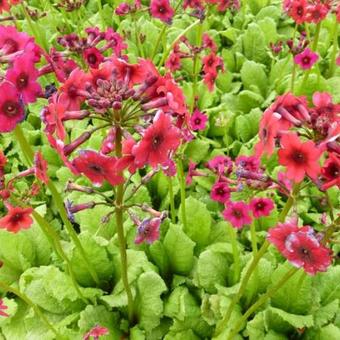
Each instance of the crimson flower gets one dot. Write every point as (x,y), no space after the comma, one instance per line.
(220,192)
(306,59)
(24,75)
(4,6)
(2,308)
(148,230)
(237,213)
(331,171)
(40,167)
(96,332)
(128,159)
(304,250)
(261,206)
(198,120)
(299,158)
(221,165)
(16,219)
(173,63)
(158,141)
(162,10)
(11,107)
(317,12)
(12,41)
(298,11)
(98,167)
(278,235)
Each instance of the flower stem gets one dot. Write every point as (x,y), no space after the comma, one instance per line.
(172,200)
(181,180)
(236,253)
(293,78)
(29,154)
(314,48)
(55,243)
(261,301)
(29,302)
(224,322)
(159,39)
(334,50)
(120,230)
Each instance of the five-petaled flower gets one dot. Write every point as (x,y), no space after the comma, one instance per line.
(237,213)
(17,218)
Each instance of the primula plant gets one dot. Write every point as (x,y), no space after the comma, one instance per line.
(169,169)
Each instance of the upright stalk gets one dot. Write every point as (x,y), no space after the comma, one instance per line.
(181,180)
(29,302)
(335,48)
(29,154)
(172,200)
(120,229)
(236,253)
(225,321)
(261,301)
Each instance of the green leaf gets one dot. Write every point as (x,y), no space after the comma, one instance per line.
(180,250)
(197,150)
(253,74)
(326,313)
(150,287)
(248,100)
(328,285)
(254,44)
(97,256)
(296,296)
(268,27)
(256,5)
(297,321)
(16,250)
(184,335)
(160,257)
(212,269)
(198,221)
(246,126)
(53,290)
(99,315)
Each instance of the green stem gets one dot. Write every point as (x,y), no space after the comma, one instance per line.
(263,299)
(181,180)
(335,49)
(293,78)
(29,302)
(29,154)
(236,253)
(167,52)
(101,13)
(56,245)
(137,38)
(120,230)
(224,322)
(159,39)
(172,200)
(314,48)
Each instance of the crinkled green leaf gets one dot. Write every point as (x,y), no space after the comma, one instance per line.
(297,321)
(197,150)
(253,74)
(150,287)
(248,100)
(326,313)
(180,249)
(97,256)
(328,285)
(53,290)
(198,221)
(246,126)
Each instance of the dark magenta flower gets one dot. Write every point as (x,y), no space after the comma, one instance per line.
(162,10)
(261,206)
(93,57)
(11,107)
(220,192)
(198,120)
(237,213)
(306,59)
(331,171)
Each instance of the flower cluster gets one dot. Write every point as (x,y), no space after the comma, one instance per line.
(301,246)
(289,119)
(211,62)
(302,11)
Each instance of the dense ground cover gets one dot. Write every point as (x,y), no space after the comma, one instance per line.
(169,170)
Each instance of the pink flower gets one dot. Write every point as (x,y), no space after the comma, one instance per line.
(148,230)
(198,120)
(11,107)
(173,63)
(12,41)
(220,192)
(24,75)
(279,234)
(306,59)
(221,165)
(249,163)
(98,167)
(261,206)
(158,141)
(237,213)
(40,167)
(16,219)
(96,332)
(2,308)
(162,10)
